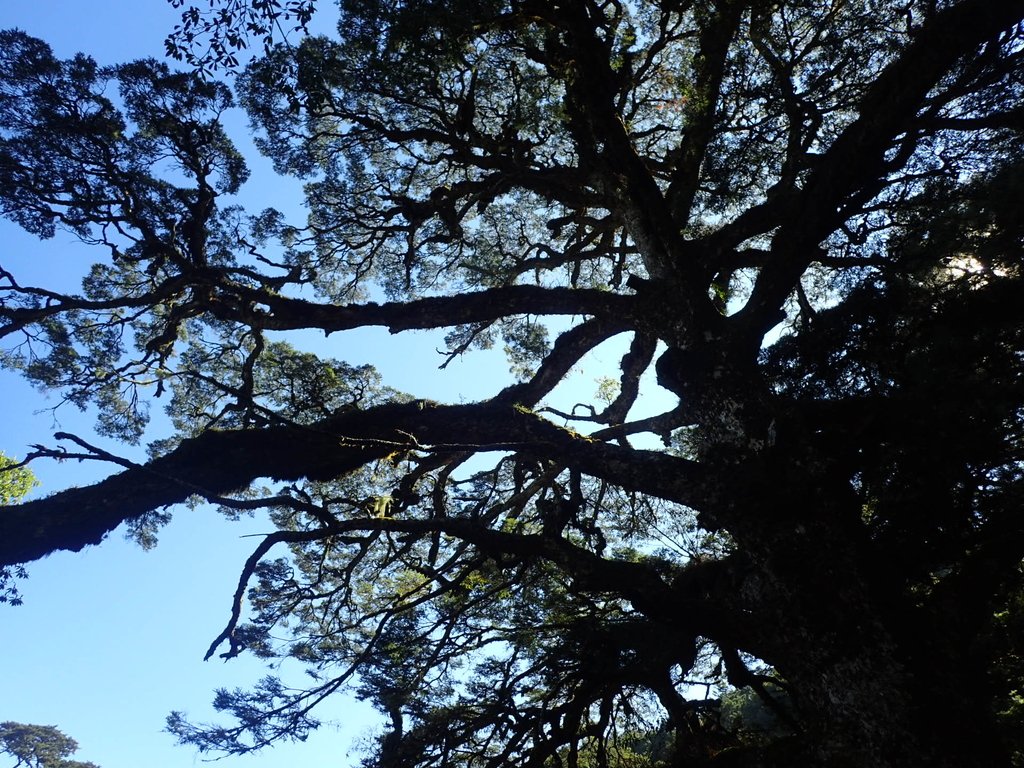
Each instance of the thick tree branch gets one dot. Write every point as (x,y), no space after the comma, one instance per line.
(568,350)
(602,140)
(243,304)
(216,463)
(853,169)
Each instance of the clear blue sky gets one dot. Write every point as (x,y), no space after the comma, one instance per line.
(111,639)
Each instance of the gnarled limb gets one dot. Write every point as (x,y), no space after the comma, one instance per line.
(219,462)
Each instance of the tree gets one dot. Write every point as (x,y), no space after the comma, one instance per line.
(39,746)
(802,218)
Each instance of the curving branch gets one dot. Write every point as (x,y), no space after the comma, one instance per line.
(216,463)
(569,349)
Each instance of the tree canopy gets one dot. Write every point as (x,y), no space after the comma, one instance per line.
(800,218)
(39,746)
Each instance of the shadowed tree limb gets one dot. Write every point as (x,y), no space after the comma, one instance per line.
(242,304)
(219,462)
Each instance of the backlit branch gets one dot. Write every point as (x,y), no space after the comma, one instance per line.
(219,462)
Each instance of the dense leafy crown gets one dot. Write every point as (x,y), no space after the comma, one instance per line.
(39,746)
(824,518)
